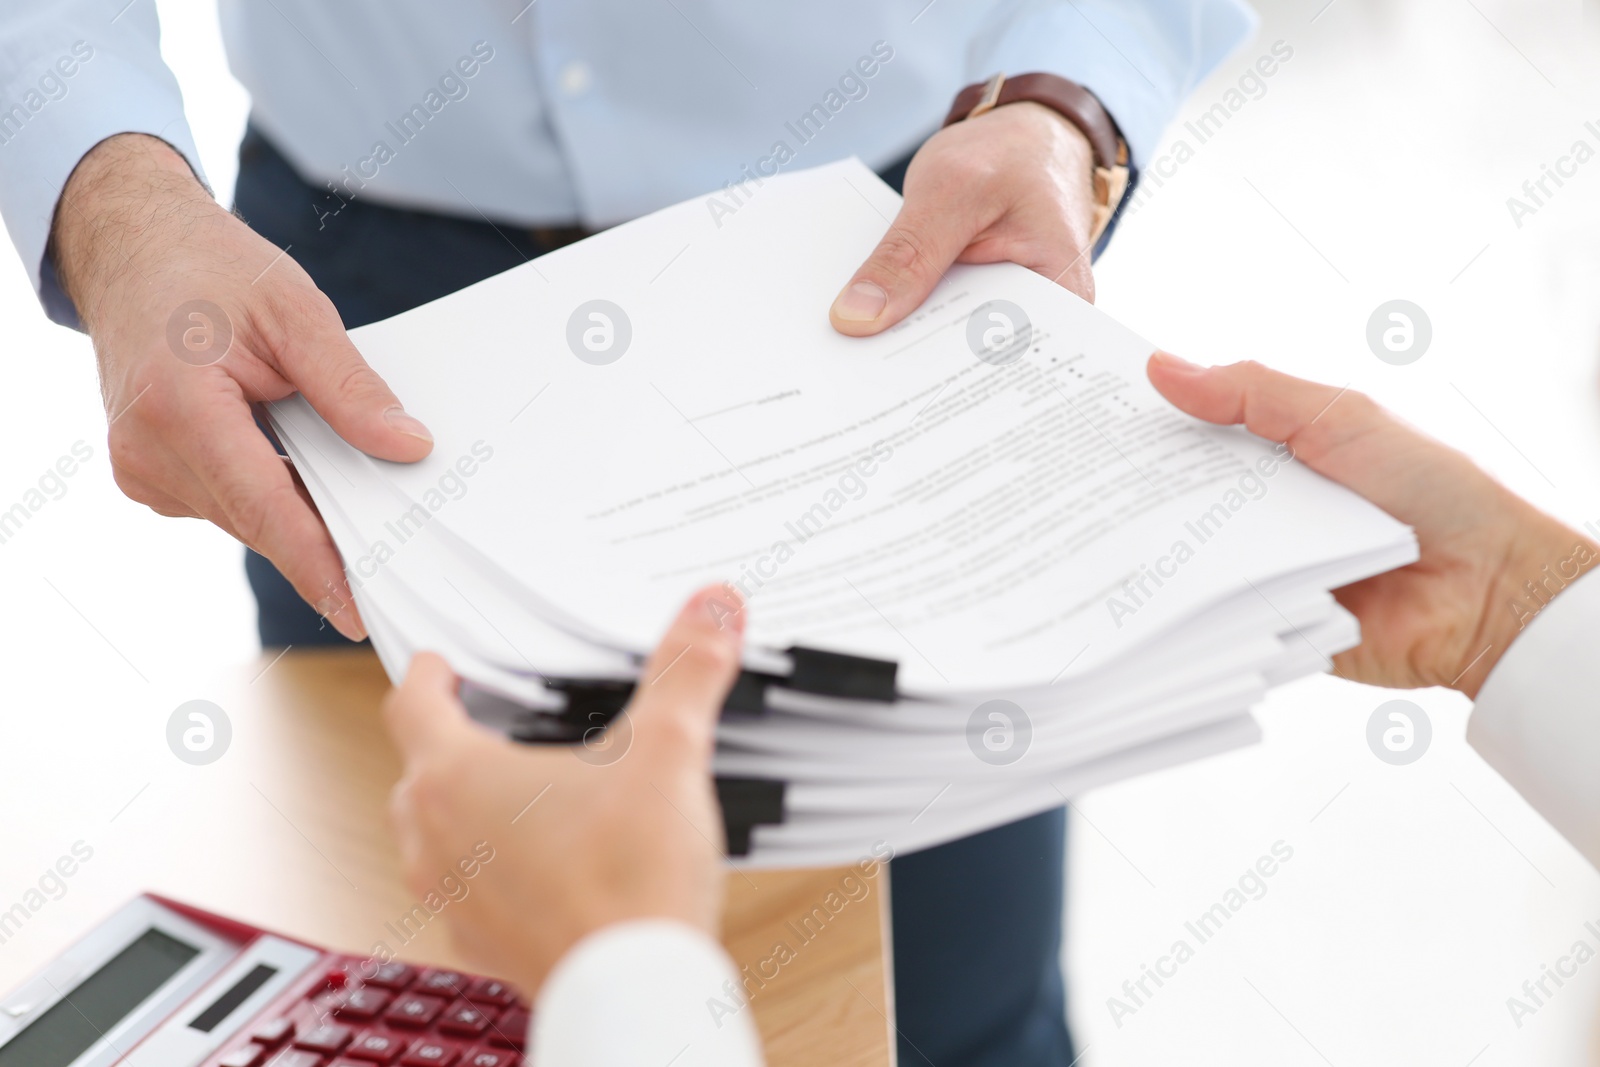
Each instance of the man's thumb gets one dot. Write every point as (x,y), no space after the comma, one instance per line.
(328,370)
(424,714)
(900,273)
(685,681)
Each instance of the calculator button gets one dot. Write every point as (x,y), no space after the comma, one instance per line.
(274,1033)
(297,1057)
(489,992)
(413,1009)
(512,1028)
(391,975)
(444,983)
(464,1020)
(376,1046)
(325,1039)
(244,1056)
(360,1004)
(490,1057)
(430,1052)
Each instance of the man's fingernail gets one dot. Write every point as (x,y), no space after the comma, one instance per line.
(862,302)
(407,424)
(344,619)
(1180,366)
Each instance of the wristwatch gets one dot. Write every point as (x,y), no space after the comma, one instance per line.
(1075,104)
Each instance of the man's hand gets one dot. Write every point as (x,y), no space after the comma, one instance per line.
(1448,618)
(578,843)
(136,239)
(1013,185)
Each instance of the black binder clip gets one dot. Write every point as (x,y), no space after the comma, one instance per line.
(593,703)
(834,674)
(748,695)
(746,804)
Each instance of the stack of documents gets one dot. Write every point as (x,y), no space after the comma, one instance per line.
(987,567)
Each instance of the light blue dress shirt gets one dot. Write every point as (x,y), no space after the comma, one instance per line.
(562,111)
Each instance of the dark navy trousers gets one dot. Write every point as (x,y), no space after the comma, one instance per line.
(977,923)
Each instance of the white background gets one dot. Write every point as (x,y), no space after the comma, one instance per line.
(1376,166)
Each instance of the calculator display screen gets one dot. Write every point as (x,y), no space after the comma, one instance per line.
(98,1003)
(225,1005)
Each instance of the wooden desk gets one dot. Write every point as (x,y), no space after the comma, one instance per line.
(288,830)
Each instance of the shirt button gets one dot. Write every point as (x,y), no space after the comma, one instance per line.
(575,78)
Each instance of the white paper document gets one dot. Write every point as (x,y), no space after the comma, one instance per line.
(989,496)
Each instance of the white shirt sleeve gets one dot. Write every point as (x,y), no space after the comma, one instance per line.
(1537,720)
(651,991)
(72,73)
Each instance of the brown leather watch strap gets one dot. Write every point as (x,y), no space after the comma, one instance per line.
(1078,106)
(1071,100)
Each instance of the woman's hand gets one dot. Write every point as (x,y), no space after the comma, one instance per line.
(1449,617)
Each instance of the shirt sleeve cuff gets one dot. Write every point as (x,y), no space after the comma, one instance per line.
(1139,59)
(122,87)
(1537,718)
(645,991)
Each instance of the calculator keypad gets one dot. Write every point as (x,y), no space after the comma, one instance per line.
(296,1057)
(378,1046)
(511,1029)
(274,1033)
(363,1014)
(244,1056)
(413,1009)
(447,984)
(489,1057)
(392,975)
(430,1052)
(326,1039)
(465,1020)
(489,993)
(359,1003)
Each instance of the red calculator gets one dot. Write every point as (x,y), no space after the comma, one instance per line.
(164,984)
